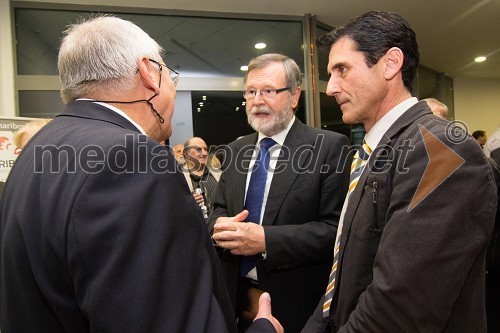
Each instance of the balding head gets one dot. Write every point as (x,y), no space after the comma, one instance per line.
(438,108)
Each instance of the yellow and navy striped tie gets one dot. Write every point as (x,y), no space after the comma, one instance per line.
(357,166)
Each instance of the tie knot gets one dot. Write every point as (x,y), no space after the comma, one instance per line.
(267,143)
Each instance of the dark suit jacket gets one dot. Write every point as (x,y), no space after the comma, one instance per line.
(99,232)
(407,267)
(300,218)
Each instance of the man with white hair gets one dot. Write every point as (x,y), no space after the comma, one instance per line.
(99,230)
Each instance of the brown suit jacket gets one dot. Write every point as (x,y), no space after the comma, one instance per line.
(413,247)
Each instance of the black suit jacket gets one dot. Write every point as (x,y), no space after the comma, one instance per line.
(412,251)
(99,232)
(300,218)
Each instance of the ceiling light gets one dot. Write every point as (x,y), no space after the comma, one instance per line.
(204,98)
(244,68)
(243,103)
(201,103)
(260,46)
(237,108)
(480,59)
(199,109)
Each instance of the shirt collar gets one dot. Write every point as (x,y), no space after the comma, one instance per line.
(281,136)
(115,109)
(373,137)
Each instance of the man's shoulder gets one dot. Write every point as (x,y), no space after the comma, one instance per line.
(327,139)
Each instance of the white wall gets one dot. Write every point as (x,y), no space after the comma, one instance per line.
(477,103)
(7,93)
(182,120)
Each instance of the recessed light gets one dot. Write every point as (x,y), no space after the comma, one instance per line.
(204,98)
(260,46)
(199,109)
(480,59)
(244,68)
(237,108)
(201,103)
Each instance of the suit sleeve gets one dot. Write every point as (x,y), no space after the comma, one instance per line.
(138,254)
(433,240)
(261,325)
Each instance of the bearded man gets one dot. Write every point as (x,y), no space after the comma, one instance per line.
(288,181)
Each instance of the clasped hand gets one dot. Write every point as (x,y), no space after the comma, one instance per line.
(241,238)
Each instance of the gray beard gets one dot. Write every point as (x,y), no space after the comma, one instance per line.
(277,124)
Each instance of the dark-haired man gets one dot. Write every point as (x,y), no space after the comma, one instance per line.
(412,239)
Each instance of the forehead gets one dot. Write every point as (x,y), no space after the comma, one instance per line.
(342,52)
(272,74)
(198,143)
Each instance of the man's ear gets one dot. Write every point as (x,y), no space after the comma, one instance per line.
(295,97)
(149,79)
(393,62)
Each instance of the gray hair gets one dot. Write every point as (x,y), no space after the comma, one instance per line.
(101,54)
(293,75)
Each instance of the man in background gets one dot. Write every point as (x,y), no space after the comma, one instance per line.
(179,153)
(480,137)
(99,232)
(438,108)
(24,134)
(411,246)
(287,181)
(198,174)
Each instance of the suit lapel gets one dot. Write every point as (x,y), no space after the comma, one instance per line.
(285,175)
(243,154)
(416,111)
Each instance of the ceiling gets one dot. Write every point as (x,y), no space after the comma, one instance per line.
(450,33)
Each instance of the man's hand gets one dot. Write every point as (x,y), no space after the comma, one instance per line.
(198,198)
(240,238)
(265,312)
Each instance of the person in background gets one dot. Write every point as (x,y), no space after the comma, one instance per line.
(493,254)
(438,108)
(99,232)
(199,175)
(412,240)
(492,143)
(179,153)
(287,181)
(480,137)
(24,134)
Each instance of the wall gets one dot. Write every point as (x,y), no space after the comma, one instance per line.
(7,93)
(182,120)
(477,103)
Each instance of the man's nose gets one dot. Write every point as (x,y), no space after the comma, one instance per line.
(258,99)
(333,86)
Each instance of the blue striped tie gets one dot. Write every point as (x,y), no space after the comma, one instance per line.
(357,166)
(255,195)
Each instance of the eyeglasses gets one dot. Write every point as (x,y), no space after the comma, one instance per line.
(266,93)
(174,75)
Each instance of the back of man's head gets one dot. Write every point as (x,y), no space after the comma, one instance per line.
(438,108)
(100,55)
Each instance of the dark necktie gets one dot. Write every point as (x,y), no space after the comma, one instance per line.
(255,195)
(357,167)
